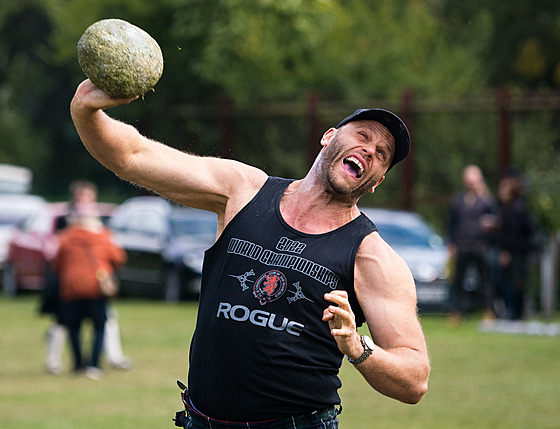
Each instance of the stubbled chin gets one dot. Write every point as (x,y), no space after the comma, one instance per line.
(344,191)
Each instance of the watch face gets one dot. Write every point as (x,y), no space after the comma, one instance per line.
(369,342)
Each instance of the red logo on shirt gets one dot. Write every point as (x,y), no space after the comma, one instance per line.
(270,286)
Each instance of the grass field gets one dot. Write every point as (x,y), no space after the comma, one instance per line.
(478,380)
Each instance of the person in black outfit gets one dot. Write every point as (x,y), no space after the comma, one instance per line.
(514,241)
(295,269)
(471,217)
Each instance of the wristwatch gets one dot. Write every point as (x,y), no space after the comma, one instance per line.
(368,344)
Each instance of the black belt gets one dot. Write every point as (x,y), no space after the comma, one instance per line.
(314,417)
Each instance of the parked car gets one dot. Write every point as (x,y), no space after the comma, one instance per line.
(14,210)
(33,244)
(15,179)
(165,244)
(422,249)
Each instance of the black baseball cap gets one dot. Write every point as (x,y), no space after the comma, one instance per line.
(393,123)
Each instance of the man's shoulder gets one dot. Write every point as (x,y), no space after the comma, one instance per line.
(380,270)
(458,199)
(374,247)
(249,183)
(252,178)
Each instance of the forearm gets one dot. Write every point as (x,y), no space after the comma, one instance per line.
(400,373)
(399,365)
(119,146)
(111,142)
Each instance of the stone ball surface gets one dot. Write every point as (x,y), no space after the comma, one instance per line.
(119,58)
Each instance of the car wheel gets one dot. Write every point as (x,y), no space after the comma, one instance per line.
(9,284)
(172,285)
(193,288)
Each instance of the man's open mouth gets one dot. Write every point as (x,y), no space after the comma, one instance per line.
(354,166)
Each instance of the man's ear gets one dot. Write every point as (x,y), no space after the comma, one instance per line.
(327,136)
(372,190)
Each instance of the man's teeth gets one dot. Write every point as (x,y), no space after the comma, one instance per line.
(358,164)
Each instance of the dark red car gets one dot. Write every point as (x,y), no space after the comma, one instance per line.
(33,245)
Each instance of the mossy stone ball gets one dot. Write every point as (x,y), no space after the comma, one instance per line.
(119,58)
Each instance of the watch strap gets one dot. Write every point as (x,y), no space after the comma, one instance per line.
(367,353)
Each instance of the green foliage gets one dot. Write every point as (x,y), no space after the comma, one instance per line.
(262,49)
(263,52)
(27,148)
(539,158)
(524,44)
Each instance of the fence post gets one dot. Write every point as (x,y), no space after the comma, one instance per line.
(313,133)
(226,126)
(504,133)
(407,169)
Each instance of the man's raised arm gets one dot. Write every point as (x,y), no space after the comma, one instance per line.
(205,183)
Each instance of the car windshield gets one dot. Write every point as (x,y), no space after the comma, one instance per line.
(397,235)
(193,226)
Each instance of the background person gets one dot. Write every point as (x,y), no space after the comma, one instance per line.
(256,355)
(85,247)
(515,235)
(81,192)
(471,217)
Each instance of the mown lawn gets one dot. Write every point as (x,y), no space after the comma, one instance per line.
(478,380)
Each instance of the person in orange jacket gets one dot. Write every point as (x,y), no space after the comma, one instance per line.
(85,249)
(81,191)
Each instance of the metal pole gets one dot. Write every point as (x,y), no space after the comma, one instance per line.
(504,133)
(313,132)
(226,126)
(407,168)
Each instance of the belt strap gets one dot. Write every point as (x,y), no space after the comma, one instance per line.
(285,422)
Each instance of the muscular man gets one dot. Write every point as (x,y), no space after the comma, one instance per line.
(295,269)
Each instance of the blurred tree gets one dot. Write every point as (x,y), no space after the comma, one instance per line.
(256,51)
(264,50)
(524,44)
(260,52)
(22,142)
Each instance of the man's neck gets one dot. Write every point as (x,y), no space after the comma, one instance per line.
(307,209)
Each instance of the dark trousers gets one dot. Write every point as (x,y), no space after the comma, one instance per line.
(72,315)
(512,282)
(466,259)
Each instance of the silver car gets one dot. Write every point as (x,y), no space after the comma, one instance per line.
(422,249)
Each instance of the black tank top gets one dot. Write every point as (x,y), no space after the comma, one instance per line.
(260,349)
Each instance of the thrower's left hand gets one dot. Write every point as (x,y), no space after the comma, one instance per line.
(342,323)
